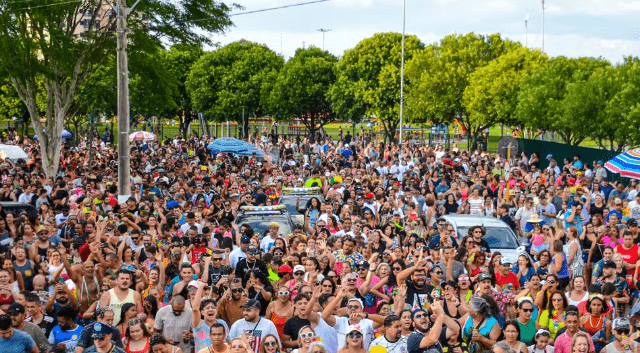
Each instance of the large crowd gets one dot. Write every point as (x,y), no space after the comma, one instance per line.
(374,267)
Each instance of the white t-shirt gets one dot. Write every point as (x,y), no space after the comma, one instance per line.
(259,330)
(399,346)
(328,334)
(342,325)
(267,243)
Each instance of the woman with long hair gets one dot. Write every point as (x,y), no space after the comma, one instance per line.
(559,265)
(550,285)
(573,252)
(259,288)
(527,326)
(270,344)
(280,309)
(478,261)
(595,321)
(523,269)
(578,291)
(406,322)
(305,338)
(137,337)
(452,305)
(512,337)
(354,340)
(127,312)
(544,261)
(552,318)
(481,329)
(389,284)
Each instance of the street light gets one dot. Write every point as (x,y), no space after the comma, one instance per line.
(323,32)
(404,4)
(543,26)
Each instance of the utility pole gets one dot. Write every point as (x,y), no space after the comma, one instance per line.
(543,26)
(404,4)
(90,138)
(244,133)
(323,32)
(124,165)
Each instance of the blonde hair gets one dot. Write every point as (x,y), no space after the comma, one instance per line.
(575,338)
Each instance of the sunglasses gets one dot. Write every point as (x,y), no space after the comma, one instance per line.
(463,279)
(438,272)
(278,254)
(252,253)
(419,316)
(527,310)
(237,290)
(283,293)
(552,282)
(353,335)
(271,343)
(353,307)
(299,273)
(216,259)
(556,299)
(623,332)
(307,335)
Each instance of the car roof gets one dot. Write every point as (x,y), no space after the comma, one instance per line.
(468,221)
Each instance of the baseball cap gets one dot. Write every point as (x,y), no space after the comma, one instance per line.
(16,308)
(484,276)
(417,311)
(355,327)
(505,261)
(298,268)
(245,240)
(621,323)
(632,222)
(194,284)
(356,300)
(609,264)
(362,263)
(285,269)
(617,201)
(252,304)
(369,195)
(252,248)
(100,330)
(549,156)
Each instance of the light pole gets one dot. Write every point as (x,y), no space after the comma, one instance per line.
(404,4)
(526,32)
(323,32)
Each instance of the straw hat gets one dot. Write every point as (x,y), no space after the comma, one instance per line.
(534,218)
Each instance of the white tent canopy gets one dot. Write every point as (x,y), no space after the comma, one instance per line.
(13,153)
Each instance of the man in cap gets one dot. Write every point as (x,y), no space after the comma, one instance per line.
(15,341)
(356,315)
(426,336)
(252,326)
(622,343)
(17,313)
(504,300)
(505,278)
(251,262)
(103,316)
(102,335)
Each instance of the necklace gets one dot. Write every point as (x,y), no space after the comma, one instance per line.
(591,322)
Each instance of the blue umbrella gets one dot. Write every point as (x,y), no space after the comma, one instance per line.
(65,135)
(228,145)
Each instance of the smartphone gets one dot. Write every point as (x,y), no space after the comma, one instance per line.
(60,280)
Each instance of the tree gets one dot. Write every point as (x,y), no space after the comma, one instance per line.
(368,80)
(492,94)
(620,129)
(39,40)
(300,89)
(180,59)
(439,74)
(225,82)
(541,99)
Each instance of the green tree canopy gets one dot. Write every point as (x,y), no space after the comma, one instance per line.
(39,40)
(439,74)
(368,80)
(301,88)
(492,94)
(224,81)
(541,99)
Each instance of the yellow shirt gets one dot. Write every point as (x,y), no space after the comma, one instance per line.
(546,321)
(211,350)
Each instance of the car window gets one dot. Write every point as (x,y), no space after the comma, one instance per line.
(260,224)
(496,237)
(289,201)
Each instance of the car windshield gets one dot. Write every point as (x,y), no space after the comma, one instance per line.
(496,237)
(260,223)
(289,201)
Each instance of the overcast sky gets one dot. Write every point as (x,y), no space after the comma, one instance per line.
(607,28)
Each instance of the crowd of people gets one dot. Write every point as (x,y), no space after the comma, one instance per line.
(374,267)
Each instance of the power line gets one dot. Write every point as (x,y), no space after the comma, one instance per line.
(264,10)
(48,5)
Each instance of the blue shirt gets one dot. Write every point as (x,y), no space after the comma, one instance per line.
(69,338)
(576,222)
(20,342)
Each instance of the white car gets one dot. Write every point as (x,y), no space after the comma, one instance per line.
(499,235)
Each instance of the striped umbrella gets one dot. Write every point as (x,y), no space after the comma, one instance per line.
(142,136)
(626,164)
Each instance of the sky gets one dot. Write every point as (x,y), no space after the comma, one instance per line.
(573,28)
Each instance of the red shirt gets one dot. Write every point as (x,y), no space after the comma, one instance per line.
(509,282)
(630,256)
